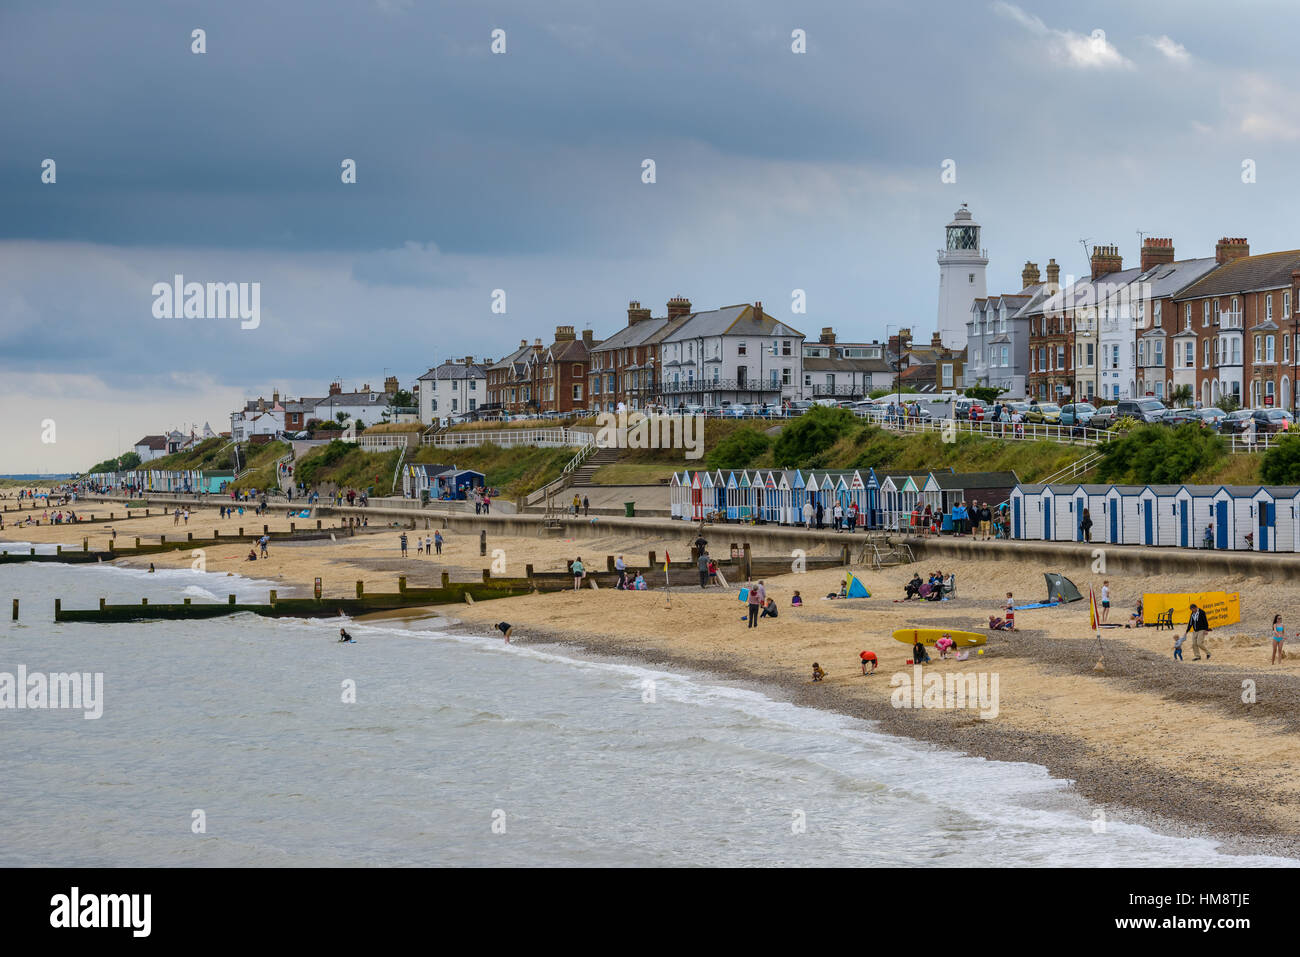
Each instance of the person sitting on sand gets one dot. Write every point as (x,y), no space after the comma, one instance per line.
(943,645)
(869,657)
(796,601)
(1135,617)
(919,655)
(344,637)
(997,624)
(639,582)
(252,555)
(769,610)
(818,673)
(913,588)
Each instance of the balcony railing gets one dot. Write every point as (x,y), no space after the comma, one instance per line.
(1230,320)
(837,390)
(716,385)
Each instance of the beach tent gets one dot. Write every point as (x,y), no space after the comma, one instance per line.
(1060,588)
(855,588)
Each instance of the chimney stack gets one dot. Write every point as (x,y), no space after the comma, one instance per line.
(275,397)
(336,388)
(1105,259)
(1226,250)
(636,314)
(936,341)
(564,334)
(1053,276)
(391,386)
(587,338)
(1029,275)
(1156,251)
(828,336)
(758,310)
(678,306)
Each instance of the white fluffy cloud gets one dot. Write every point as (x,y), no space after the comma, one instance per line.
(1091,52)
(1170,48)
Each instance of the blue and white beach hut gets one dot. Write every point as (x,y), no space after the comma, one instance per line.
(733,497)
(675,495)
(784,498)
(843,496)
(873,519)
(858,489)
(1027,512)
(1158,514)
(1287,530)
(745,494)
(706,493)
(798,495)
(1264,510)
(1193,513)
(719,492)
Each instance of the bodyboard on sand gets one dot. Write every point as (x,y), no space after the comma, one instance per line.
(928,636)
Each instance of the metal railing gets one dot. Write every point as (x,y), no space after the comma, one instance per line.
(1025,431)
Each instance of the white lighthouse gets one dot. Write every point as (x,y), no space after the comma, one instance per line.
(961,277)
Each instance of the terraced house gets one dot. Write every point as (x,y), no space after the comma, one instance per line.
(557,375)
(997,335)
(624,368)
(1247,326)
(844,370)
(509,389)
(1167,341)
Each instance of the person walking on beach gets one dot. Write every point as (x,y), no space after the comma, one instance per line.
(419,545)
(620,566)
(577,504)
(1279,636)
(437,542)
(176,517)
(704,569)
(1178,646)
(578,572)
(586,506)
(1105,601)
(1199,625)
(263,543)
(754,603)
(428,546)
(820,513)
(807,514)
(1009,613)
(403,540)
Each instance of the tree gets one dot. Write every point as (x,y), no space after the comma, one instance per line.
(1180,396)
(342,417)
(739,449)
(811,435)
(984,393)
(1228,404)
(1157,454)
(1280,465)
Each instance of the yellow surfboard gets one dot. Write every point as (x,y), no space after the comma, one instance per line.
(928,636)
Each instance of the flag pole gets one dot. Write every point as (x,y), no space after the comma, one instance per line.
(1096,628)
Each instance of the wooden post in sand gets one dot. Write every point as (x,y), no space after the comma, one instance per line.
(361,589)
(482,543)
(652,560)
(528,572)
(401,583)
(609,563)
(446,580)
(747,570)
(272,596)
(15,609)
(102,603)
(85,544)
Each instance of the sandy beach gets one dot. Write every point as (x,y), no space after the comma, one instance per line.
(1177,745)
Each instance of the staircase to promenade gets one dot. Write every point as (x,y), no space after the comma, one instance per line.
(582,474)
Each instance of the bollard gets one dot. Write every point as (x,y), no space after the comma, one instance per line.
(85,544)
(144,601)
(318,524)
(230,599)
(747,571)
(482,542)
(58,549)
(58,607)
(102,603)
(272,596)
(401,583)
(361,589)
(216,534)
(162,539)
(187,601)
(241,531)
(446,580)
(652,560)
(528,572)
(609,563)
(487,575)
(15,609)
(266,529)
(292,528)
(137,541)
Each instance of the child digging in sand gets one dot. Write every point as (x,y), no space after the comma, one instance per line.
(818,673)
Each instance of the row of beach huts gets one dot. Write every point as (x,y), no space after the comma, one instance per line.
(884,500)
(1235,517)
(157,480)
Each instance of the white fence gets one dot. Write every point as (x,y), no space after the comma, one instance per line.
(512,438)
(1065,434)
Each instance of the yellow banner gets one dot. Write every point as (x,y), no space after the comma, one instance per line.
(1220,607)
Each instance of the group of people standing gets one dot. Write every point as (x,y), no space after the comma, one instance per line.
(981,521)
(814,516)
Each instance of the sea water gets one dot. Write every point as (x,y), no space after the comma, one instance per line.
(253,741)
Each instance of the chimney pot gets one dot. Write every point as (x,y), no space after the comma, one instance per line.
(678,306)
(1227,249)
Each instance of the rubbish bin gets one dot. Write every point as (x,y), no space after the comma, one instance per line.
(629,509)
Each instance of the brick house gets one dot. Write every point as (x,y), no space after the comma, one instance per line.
(1247,326)
(623,368)
(558,374)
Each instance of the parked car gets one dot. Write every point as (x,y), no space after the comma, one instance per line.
(970,409)
(1211,417)
(1234,423)
(1178,416)
(1143,410)
(1077,413)
(1044,413)
(1272,420)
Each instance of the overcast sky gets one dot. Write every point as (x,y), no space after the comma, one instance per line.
(522,171)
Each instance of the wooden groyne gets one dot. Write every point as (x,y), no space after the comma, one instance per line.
(245,535)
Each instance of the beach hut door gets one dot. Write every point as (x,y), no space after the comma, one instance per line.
(1079,506)
(1266,516)
(1148,521)
(1114,523)
(1221,524)
(1015,516)
(1047,521)
(1182,523)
